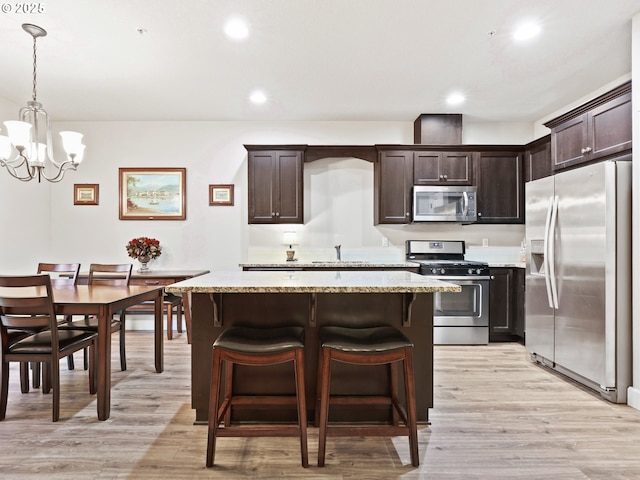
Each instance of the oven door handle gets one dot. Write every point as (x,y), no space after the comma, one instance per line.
(460,279)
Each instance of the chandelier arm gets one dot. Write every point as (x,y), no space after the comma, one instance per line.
(11,169)
(16,162)
(62,169)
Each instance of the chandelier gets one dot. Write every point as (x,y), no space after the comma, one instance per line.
(27,149)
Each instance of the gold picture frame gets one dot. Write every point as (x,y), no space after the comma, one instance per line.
(152,193)
(85,193)
(221,194)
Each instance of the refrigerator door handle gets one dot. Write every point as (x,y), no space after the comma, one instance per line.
(552,252)
(545,251)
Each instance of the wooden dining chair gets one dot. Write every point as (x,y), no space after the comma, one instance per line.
(61,274)
(118,274)
(26,303)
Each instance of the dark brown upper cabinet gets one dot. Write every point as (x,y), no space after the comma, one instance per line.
(594,131)
(442,168)
(275,183)
(393,183)
(500,195)
(537,159)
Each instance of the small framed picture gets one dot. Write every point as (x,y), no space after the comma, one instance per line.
(220,194)
(153,193)
(85,194)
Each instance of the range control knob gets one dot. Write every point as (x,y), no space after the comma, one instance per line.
(442,271)
(470,271)
(434,270)
(478,271)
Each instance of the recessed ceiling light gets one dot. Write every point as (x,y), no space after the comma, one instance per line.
(258,97)
(236,28)
(455,98)
(526,31)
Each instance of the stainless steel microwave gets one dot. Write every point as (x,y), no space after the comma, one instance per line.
(444,204)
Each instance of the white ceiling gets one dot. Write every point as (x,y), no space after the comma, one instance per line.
(316,59)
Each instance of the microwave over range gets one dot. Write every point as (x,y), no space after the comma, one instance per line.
(444,204)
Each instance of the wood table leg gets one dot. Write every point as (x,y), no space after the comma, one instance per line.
(158,330)
(103,376)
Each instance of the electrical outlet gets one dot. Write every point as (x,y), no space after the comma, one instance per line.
(485,242)
(385,242)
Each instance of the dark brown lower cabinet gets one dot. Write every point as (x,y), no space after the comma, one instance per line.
(506,305)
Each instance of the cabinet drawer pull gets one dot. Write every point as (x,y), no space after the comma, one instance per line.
(152,282)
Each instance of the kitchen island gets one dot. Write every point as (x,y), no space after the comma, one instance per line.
(312,299)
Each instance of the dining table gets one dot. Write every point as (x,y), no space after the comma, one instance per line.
(103,302)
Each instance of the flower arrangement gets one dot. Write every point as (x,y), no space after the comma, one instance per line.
(144,247)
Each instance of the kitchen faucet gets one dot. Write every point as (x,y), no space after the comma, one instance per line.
(337,247)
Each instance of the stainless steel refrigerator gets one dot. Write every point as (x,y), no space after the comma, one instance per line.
(578,280)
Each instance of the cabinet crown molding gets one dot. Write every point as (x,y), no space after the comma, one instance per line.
(582,109)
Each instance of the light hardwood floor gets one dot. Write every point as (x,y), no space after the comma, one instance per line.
(496,416)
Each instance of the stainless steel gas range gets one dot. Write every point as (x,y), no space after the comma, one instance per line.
(458,318)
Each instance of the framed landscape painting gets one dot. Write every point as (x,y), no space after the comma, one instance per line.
(85,193)
(221,194)
(152,193)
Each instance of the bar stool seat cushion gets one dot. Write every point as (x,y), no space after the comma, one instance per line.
(363,340)
(261,341)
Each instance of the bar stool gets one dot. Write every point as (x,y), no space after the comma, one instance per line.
(256,347)
(367,346)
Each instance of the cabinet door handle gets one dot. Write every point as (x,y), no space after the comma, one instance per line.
(441,177)
(277,214)
(587,150)
(445,177)
(407,214)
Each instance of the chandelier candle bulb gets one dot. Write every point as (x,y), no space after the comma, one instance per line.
(19,132)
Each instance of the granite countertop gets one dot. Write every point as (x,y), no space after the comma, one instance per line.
(332,264)
(312,282)
(508,264)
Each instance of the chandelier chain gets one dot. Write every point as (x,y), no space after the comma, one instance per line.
(35,64)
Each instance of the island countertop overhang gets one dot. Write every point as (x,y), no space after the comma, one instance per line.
(312,282)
